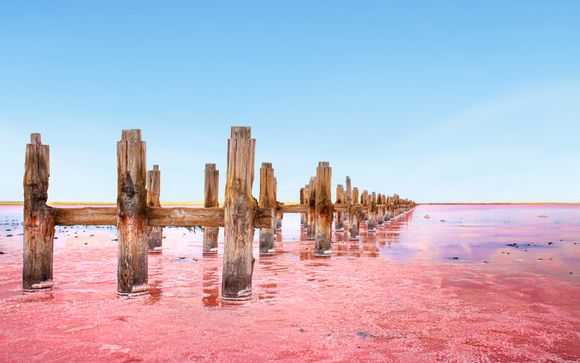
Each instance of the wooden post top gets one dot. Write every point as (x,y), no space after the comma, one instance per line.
(155,167)
(267,165)
(241,132)
(324,164)
(131,135)
(210,166)
(35,138)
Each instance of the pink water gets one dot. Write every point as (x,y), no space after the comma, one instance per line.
(442,288)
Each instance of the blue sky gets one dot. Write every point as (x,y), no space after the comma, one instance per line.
(435,100)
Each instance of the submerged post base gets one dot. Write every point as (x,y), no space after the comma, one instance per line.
(240,297)
(326,253)
(41,286)
(136,291)
(212,251)
(268,253)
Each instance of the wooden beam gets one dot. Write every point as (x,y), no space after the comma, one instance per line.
(291,208)
(207,217)
(132,218)
(211,185)
(37,254)
(89,216)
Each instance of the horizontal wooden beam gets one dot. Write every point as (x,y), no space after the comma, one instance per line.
(158,217)
(296,208)
(94,216)
(206,217)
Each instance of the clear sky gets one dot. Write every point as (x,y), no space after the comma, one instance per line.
(434,100)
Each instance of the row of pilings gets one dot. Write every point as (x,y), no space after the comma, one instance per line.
(139,217)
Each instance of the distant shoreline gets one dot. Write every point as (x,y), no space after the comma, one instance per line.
(292,203)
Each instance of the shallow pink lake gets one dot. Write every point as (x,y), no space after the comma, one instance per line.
(441,283)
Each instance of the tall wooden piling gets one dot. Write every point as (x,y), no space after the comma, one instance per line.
(324,209)
(278,215)
(37,254)
(267,200)
(354,214)
(372,205)
(240,208)
(155,238)
(380,210)
(210,200)
(340,199)
(302,215)
(311,210)
(132,214)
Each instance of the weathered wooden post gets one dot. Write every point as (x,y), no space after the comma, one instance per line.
(239,210)
(372,204)
(132,214)
(324,210)
(354,215)
(38,241)
(340,199)
(311,210)
(348,201)
(267,200)
(364,200)
(278,215)
(155,238)
(211,187)
(302,215)
(381,210)
(388,213)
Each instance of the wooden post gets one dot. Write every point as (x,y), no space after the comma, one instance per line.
(348,201)
(388,213)
(278,216)
(37,254)
(340,199)
(354,216)
(311,210)
(155,238)
(267,200)
(211,186)
(240,208)
(132,214)
(302,215)
(381,210)
(372,204)
(324,210)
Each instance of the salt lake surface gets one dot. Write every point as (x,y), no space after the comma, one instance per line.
(441,283)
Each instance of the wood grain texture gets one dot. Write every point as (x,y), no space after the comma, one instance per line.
(239,211)
(324,210)
(340,199)
(311,200)
(267,199)
(355,214)
(211,185)
(155,237)
(132,219)
(38,242)
(89,216)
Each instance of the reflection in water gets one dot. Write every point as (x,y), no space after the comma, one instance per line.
(210,284)
(155,291)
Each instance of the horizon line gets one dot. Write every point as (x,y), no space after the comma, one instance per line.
(294,202)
